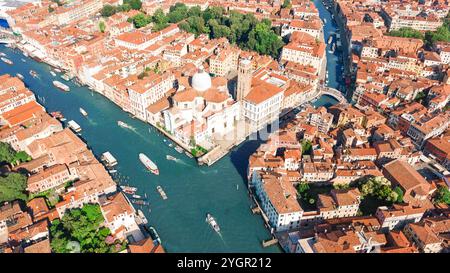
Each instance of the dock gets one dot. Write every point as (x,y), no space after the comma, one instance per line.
(74,126)
(109,159)
(271,242)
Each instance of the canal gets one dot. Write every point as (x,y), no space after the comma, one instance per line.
(192,190)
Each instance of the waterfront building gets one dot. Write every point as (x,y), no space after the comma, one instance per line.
(278,200)
(398,216)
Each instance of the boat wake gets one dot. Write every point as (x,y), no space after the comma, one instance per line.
(209,172)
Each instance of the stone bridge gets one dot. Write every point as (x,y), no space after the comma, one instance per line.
(336,94)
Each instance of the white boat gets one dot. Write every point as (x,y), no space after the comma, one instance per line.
(20,76)
(83,112)
(169,157)
(161,192)
(112,171)
(6,60)
(128,189)
(61,86)
(58,70)
(74,126)
(2,54)
(154,234)
(136,196)
(179,149)
(142,216)
(23,60)
(109,159)
(53,73)
(124,125)
(148,164)
(65,77)
(212,222)
(189,154)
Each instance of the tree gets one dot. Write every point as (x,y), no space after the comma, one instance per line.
(134,4)
(306,147)
(400,194)
(13,187)
(406,32)
(102,26)
(159,20)
(194,11)
(378,187)
(302,188)
(140,20)
(108,10)
(82,226)
(7,153)
(286,4)
(442,195)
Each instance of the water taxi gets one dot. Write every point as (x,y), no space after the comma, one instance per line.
(61,86)
(179,149)
(212,222)
(169,157)
(142,216)
(124,125)
(140,202)
(154,234)
(83,112)
(20,76)
(148,164)
(128,189)
(5,60)
(161,192)
(74,126)
(65,77)
(34,74)
(109,159)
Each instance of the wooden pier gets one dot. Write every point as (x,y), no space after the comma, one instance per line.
(271,242)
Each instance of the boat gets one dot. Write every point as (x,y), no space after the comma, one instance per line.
(142,216)
(161,192)
(34,74)
(124,125)
(83,112)
(140,202)
(212,222)
(169,157)
(112,171)
(20,76)
(108,159)
(53,73)
(61,86)
(58,70)
(136,196)
(150,165)
(330,39)
(74,126)
(128,189)
(65,77)
(6,60)
(23,60)
(179,149)
(2,54)
(189,154)
(154,234)
(57,114)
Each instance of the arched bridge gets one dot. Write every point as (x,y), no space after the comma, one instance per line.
(333,93)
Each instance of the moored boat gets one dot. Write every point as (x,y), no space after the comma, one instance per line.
(128,189)
(150,165)
(61,86)
(74,126)
(53,73)
(20,76)
(34,74)
(179,149)
(212,222)
(65,77)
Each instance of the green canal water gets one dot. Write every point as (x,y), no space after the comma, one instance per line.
(192,190)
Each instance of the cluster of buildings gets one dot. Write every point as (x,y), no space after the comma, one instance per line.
(61,165)
(386,134)
(179,83)
(349,145)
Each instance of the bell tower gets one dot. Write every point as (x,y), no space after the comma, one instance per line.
(244,81)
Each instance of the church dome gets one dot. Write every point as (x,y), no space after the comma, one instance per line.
(201,81)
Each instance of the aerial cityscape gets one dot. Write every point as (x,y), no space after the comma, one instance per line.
(243,126)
